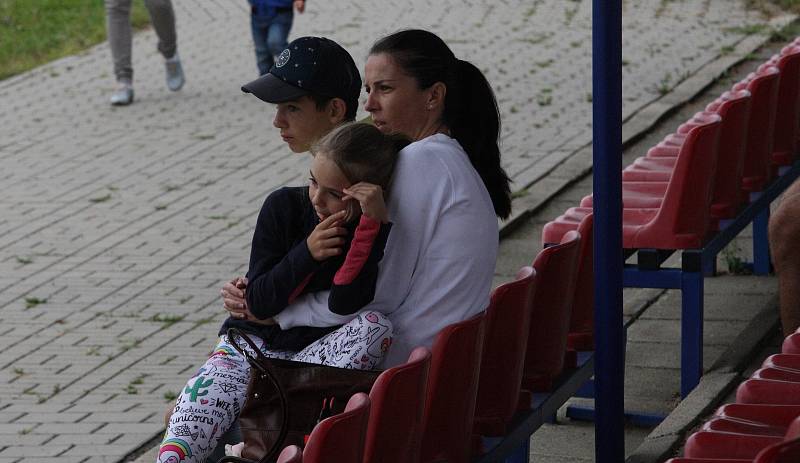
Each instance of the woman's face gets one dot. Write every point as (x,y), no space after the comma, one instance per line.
(325,187)
(394,99)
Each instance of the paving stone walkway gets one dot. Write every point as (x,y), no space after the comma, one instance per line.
(118,225)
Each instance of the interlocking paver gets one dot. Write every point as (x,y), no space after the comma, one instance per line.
(113,217)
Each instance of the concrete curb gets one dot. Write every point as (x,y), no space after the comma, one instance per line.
(538,191)
(722,377)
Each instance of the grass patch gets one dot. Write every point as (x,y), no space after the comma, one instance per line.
(31,302)
(168,319)
(36,32)
(100,199)
(774,7)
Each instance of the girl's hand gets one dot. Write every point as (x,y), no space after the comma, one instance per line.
(370,198)
(300,6)
(326,239)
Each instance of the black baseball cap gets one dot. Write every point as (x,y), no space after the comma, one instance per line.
(309,65)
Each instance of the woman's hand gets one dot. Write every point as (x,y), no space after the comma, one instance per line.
(370,198)
(326,239)
(300,5)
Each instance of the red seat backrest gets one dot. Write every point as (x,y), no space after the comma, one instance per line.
(398,401)
(734,108)
(507,326)
(784,452)
(766,391)
(581,324)
(761,128)
(788,107)
(685,210)
(341,436)
(791,345)
(452,390)
(557,272)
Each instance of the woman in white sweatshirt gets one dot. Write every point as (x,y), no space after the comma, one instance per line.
(447,192)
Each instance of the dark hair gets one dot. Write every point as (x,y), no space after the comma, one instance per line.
(321,102)
(362,152)
(470,107)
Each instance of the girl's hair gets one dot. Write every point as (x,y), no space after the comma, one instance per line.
(470,107)
(362,152)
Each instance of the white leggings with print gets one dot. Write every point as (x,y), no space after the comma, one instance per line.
(212,399)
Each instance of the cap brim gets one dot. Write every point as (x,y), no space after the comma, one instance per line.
(273,90)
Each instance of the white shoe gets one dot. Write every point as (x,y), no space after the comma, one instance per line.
(123,95)
(175,79)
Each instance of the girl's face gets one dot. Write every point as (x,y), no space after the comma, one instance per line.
(393,98)
(325,188)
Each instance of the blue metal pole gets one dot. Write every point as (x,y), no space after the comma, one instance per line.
(607,141)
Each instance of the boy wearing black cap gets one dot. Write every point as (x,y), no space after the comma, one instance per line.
(315,84)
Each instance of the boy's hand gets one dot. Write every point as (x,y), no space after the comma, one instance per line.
(233,299)
(326,239)
(370,198)
(300,6)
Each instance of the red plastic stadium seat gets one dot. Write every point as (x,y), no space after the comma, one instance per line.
(761,419)
(557,272)
(657,166)
(554,231)
(507,325)
(581,324)
(783,361)
(777,374)
(788,108)
(291,454)
(395,420)
(715,444)
(791,345)
(341,435)
(693,173)
(452,391)
(683,220)
(767,391)
(787,451)
(763,88)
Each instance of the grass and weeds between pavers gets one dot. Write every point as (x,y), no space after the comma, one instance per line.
(34,32)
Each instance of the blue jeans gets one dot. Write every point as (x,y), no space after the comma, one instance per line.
(270,35)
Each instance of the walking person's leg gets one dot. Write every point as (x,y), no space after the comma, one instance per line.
(118,28)
(360,344)
(278,36)
(259,28)
(162,15)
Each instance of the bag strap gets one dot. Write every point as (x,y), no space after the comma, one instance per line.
(262,363)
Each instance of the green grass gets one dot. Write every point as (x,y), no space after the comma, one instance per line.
(772,7)
(33,32)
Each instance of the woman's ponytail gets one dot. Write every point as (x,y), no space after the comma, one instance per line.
(473,118)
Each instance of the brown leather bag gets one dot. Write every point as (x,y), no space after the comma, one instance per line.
(286,399)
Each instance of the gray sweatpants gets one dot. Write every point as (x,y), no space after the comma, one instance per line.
(118,25)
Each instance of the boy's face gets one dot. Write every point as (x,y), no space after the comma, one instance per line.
(301,123)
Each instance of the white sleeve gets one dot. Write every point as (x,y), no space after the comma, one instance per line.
(310,309)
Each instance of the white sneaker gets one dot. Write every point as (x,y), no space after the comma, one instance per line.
(175,79)
(123,95)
